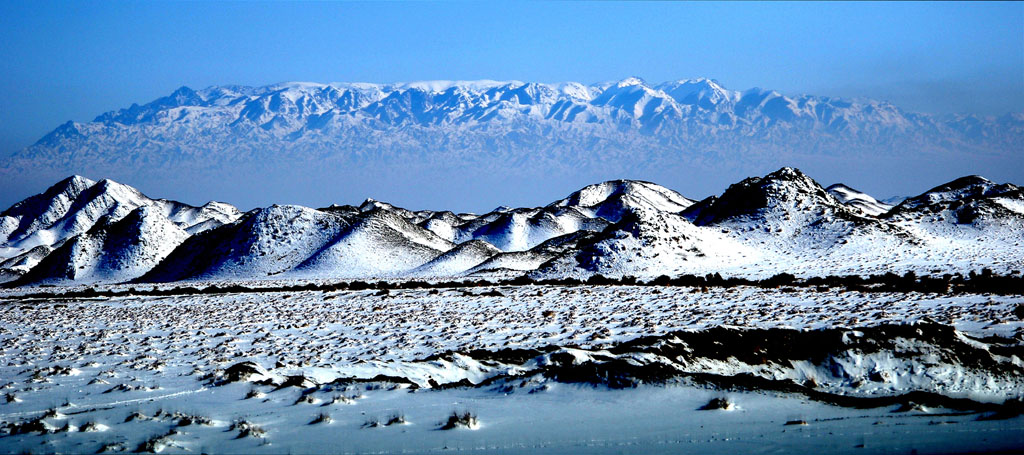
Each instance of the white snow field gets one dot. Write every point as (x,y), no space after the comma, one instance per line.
(524,369)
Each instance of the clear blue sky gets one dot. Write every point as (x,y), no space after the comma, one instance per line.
(64,61)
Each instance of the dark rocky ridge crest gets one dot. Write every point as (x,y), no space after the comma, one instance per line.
(751,197)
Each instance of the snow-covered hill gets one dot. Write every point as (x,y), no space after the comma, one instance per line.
(111,251)
(649,243)
(592,208)
(31,229)
(785,222)
(797,226)
(613,199)
(81,231)
(264,242)
(862,201)
(784,210)
(967,200)
(458,259)
(378,244)
(970,218)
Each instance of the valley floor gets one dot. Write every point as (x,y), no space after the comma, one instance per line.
(162,373)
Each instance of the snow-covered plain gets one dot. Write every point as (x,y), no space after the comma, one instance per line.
(169,374)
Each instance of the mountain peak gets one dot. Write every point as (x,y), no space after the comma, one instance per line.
(371,204)
(971,185)
(52,201)
(787,173)
(614,198)
(118,191)
(703,92)
(183,96)
(630,81)
(966,181)
(184,90)
(786,190)
(695,82)
(443,86)
(74,181)
(66,132)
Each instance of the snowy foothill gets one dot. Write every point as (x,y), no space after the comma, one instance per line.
(81,231)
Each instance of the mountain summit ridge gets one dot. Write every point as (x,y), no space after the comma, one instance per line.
(344,135)
(292,109)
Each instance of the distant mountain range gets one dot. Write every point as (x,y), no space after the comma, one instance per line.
(212,120)
(82,231)
(350,133)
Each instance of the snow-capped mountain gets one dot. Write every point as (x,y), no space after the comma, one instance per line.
(318,114)
(454,128)
(31,229)
(782,222)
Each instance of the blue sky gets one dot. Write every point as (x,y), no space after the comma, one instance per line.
(64,61)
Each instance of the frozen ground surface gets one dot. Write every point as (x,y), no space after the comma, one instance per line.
(78,369)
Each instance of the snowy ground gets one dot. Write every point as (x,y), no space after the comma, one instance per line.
(80,368)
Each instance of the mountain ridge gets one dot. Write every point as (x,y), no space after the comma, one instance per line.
(33,228)
(222,135)
(309,100)
(782,222)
